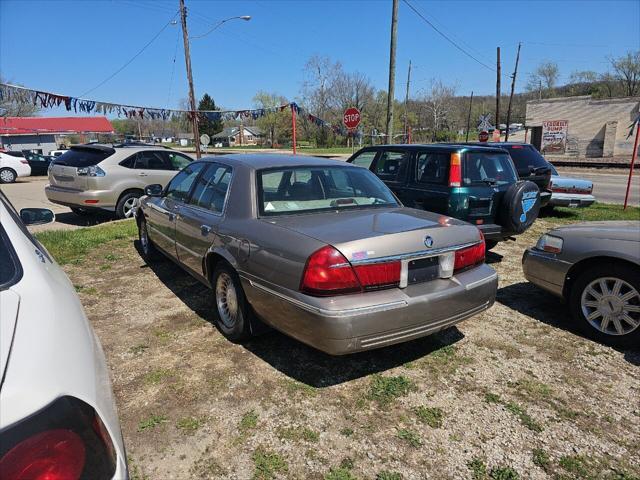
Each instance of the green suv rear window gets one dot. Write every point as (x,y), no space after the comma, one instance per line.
(488,168)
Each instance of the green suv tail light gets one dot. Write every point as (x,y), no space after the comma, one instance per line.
(455,173)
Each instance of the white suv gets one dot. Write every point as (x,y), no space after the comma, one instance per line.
(97,177)
(13,167)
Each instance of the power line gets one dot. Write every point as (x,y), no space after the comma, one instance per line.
(132,58)
(173,69)
(447,38)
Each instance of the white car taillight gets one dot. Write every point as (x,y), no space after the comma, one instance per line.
(92,171)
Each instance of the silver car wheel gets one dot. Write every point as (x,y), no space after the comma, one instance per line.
(226,300)
(144,237)
(127,207)
(7,176)
(611,306)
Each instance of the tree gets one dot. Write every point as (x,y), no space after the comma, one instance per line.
(276,124)
(210,127)
(17,108)
(627,72)
(320,76)
(438,103)
(544,77)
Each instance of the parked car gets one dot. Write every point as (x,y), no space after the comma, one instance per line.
(570,192)
(475,184)
(97,177)
(39,163)
(57,153)
(595,267)
(317,249)
(59,418)
(12,167)
(529,163)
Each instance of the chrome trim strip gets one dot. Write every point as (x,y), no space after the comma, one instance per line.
(150,227)
(331,313)
(482,281)
(410,256)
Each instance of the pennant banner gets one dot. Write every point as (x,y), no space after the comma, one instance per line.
(17,94)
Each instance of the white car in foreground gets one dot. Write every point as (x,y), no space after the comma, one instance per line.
(12,168)
(58,417)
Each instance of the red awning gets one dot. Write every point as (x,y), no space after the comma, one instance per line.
(35,125)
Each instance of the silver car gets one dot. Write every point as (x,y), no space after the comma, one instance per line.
(98,177)
(318,249)
(58,418)
(570,192)
(595,267)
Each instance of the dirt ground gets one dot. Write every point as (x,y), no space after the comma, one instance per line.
(511,393)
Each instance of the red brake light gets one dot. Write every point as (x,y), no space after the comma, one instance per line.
(50,455)
(455,174)
(328,272)
(470,256)
(378,275)
(516,146)
(26,162)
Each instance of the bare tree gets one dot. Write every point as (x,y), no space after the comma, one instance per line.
(17,107)
(584,76)
(627,71)
(544,77)
(352,90)
(438,103)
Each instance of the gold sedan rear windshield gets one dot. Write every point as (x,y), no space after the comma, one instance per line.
(308,189)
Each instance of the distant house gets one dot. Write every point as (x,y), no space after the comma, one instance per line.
(236,136)
(44,134)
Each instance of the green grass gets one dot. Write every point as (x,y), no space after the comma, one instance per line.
(249,421)
(339,473)
(156,376)
(297,434)
(596,212)
(152,422)
(478,469)
(410,437)
(541,458)
(432,416)
(267,464)
(387,475)
(385,390)
(189,424)
(72,246)
(503,473)
(524,417)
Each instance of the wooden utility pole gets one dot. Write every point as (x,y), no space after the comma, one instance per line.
(469,116)
(392,70)
(513,86)
(498,74)
(192,96)
(406,103)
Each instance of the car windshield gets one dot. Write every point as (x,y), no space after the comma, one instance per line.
(488,168)
(526,157)
(310,188)
(83,157)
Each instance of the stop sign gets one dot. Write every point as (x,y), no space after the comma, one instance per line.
(351,118)
(483,136)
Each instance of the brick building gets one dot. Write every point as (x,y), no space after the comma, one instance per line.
(596,127)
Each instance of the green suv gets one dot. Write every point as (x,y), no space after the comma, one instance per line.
(477,184)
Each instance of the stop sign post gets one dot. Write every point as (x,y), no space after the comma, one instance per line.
(351,120)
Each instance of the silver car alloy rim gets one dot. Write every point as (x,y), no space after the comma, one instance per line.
(226,300)
(7,176)
(611,306)
(128,207)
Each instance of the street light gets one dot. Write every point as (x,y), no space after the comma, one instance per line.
(246,18)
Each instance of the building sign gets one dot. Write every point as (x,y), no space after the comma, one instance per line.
(554,136)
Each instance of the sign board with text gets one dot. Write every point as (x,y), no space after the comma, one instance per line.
(351,118)
(554,136)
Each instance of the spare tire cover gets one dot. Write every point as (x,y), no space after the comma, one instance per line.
(520,206)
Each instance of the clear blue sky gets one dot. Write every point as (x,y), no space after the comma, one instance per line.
(71,46)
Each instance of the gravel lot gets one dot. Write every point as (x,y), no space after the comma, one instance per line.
(511,393)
